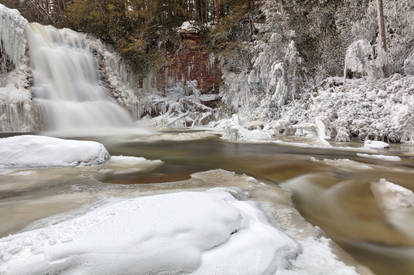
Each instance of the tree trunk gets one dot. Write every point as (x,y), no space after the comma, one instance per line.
(381,24)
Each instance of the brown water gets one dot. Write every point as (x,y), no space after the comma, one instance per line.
(331,195)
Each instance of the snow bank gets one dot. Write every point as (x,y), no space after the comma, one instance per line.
(380,157)
(188,232)
(41,151)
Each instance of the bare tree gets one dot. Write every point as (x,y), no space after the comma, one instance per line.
(381,24)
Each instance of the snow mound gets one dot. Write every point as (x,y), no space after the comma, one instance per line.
(374,144)
(188,232)
(41,151)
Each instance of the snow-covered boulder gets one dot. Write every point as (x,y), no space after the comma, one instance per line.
(189,28)
(189,232)
(409,65)
(41,151)
(375,144)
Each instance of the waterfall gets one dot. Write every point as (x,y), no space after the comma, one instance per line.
(66,82)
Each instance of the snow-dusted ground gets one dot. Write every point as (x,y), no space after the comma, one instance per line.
(41,151)
(207,232)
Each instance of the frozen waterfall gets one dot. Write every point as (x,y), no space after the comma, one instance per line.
(66,82)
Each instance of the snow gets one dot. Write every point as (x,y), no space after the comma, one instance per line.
(317,258)
(187,232)
(42,151)
(380,157)
(375,144)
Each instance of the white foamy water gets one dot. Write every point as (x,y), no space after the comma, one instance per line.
(66,82)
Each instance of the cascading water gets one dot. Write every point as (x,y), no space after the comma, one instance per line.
(66,82)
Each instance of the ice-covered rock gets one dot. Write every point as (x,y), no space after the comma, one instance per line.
(41,151)
(188,232)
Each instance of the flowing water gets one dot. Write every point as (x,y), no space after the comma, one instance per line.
(331,193)
(66,82)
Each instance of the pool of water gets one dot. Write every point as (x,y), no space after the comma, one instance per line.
(334,195)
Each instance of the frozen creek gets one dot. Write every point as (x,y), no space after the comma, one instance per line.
(62,218)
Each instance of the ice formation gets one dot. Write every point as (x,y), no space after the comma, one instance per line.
(40,151)
(16,108)
(12,38)
(359,59)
